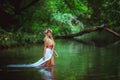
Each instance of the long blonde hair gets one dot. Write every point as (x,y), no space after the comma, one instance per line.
(49,37)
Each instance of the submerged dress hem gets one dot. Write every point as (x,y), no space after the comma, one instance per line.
(48,56)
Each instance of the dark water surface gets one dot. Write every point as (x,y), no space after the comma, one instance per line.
(77,61)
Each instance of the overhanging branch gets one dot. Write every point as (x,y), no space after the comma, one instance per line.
(88,30)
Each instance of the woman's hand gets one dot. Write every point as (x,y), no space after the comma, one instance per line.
(56,56)
(56,53)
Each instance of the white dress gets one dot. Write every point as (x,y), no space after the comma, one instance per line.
(48,55)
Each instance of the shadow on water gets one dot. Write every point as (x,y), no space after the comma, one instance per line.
(77,61)
(46,73)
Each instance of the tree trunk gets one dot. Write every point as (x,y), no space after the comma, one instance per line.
(88,30)
(113,32)
(29,5)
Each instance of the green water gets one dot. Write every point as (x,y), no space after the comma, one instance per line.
(76,61)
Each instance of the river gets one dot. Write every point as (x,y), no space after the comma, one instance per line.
(76,61)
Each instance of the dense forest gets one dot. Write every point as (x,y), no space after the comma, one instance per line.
(23,22)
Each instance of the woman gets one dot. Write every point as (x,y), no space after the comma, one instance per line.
(48,59)
(49,44)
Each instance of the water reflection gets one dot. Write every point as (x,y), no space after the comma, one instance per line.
(76,61)
(47,73)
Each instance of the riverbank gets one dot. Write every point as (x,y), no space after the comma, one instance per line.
(10,40)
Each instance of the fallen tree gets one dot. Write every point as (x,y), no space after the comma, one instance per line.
(113,32)
(88,30)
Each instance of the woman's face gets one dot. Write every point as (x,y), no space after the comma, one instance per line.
(49,34)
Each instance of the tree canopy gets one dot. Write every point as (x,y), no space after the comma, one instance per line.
(32,17)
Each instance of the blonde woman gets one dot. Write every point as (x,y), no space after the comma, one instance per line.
(49,44)
(48,59)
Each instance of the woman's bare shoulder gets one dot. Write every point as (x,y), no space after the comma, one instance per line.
(45,39)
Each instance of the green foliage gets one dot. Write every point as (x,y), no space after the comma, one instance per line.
(104,11)
(24,21)
(55,30)
(20,38)
(9,43)
(111,11)
(67,23)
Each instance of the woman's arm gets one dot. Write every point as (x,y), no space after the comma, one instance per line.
(56,53)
